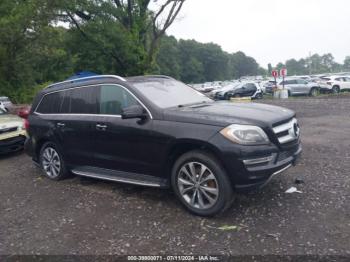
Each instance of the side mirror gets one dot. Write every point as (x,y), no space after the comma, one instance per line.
(135,111)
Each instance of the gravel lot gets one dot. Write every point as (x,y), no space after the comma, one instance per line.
(81,216)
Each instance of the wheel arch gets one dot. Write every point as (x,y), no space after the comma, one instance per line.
(183,146)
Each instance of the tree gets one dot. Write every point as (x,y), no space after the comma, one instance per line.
(295,67)
(31,49)
(168,58)
(127,31)
(269,68)
(347,63)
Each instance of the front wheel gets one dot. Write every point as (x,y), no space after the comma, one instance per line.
(52,163)
(201,184)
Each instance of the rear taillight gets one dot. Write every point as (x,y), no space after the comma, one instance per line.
(26,124)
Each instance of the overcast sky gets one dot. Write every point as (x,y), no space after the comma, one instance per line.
(269,30)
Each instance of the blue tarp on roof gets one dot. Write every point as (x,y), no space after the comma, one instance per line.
(82,74)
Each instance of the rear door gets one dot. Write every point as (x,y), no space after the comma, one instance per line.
(79,109)
(250,89)
(68,115)
(303,86)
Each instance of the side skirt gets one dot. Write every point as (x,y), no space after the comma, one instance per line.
(120,176)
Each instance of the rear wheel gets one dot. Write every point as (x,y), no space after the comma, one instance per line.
(201,184)
(314,91)
(336,90)
(52,163)
(259,96)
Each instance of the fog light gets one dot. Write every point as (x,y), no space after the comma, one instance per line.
(260,160)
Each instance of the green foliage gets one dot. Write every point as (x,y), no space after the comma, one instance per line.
(314,64)
(123,37)
(195,62)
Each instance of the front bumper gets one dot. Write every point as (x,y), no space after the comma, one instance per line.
(252,167)
(12,144)
(258,175)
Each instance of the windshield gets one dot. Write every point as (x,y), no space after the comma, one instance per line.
(169,93)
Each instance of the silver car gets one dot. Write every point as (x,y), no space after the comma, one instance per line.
(299,87)
(6,102)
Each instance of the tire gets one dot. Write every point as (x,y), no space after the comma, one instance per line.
(217,188)
(259,96)
(314,92)
(51,162)
(335,90)
(226,97)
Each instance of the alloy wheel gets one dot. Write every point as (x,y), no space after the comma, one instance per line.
(198,185)
(51,162)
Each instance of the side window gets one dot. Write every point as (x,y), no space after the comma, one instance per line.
(114,98)
(251,87)
(81,100)
(339,79)
(50,103)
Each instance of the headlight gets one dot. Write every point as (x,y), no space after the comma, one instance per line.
(245,134)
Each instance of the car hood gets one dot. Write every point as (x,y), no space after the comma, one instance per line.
(8,121)
(225,113)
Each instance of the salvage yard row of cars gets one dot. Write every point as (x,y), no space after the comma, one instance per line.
(255,89)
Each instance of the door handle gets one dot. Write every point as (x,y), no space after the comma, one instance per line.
(61,125)
(101,127)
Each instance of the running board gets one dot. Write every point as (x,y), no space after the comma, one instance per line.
(120,176)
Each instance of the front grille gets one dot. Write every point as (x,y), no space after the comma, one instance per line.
(287,132)
(8,130)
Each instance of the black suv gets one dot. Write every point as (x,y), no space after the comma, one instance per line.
(156,131)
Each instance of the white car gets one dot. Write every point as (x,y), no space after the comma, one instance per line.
(6,102)
(334,84)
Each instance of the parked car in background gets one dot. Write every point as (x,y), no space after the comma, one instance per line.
(247,89)
(222,93)
(12,132)
(269,86)
(2,106)
(334,84)
(6,102)
(158,132)
(24,112)
(297,86)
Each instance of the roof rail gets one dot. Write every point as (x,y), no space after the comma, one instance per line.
(86,78)
(160,76)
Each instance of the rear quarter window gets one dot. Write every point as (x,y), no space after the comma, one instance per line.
(50,104)
(72,101)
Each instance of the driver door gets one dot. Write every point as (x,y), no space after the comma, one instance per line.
(122,144)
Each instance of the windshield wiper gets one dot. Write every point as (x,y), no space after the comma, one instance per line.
(192,104)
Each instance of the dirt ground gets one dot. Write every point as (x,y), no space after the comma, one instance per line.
(82,216)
